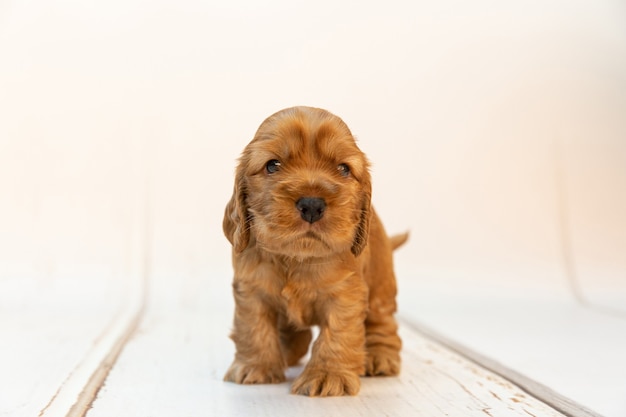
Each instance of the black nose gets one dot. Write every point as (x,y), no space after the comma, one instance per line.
(311,208)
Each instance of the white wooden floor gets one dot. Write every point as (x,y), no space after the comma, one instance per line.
(496,133)
(173,363)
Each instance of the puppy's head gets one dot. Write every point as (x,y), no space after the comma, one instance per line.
(302,188)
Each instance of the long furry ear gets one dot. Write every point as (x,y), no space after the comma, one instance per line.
(236,223)
(361,235)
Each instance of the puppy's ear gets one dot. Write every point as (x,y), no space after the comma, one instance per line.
(362,231)
(236,222)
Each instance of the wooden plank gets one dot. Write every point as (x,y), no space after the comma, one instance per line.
(55,344)
(573,350)
(41,349)
(533,388)
(77,393)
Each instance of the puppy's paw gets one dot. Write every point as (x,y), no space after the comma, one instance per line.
(324,383)
(382,361)
(242,373)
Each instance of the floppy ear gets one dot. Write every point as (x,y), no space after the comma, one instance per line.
(236,222)
(362,231)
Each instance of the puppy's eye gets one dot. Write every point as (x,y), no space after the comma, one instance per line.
(272,166)
(343,169)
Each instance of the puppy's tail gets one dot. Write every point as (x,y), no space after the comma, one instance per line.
(398,240)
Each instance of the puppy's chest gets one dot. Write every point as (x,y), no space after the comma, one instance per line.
(300,301)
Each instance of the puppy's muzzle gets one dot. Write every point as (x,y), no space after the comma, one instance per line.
(311,208)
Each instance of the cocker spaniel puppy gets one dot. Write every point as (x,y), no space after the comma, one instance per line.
(308,249)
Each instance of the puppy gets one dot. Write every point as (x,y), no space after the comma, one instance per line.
(308,249)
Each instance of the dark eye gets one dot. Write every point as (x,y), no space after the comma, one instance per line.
(343,169)
(272,166)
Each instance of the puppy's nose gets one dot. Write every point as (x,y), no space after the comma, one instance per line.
(311,208)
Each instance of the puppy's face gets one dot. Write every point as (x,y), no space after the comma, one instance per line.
(302,189)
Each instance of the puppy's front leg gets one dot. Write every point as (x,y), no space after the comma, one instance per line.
(338,354)
(258,359)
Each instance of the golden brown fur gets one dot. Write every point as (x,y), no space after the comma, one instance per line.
(292,273)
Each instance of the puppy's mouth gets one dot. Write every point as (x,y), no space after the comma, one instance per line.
(310,241)
(312,235)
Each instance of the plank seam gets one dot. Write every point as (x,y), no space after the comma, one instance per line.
(565,238)
(98,378)
(90,392)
